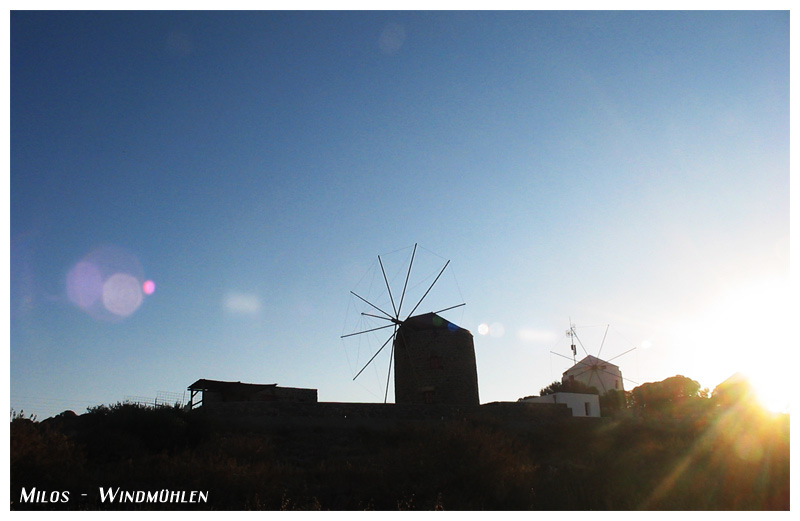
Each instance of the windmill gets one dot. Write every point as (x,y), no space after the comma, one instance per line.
(431,357)
(592,370)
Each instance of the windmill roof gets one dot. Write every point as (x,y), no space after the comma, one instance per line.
(590,361)
(432,321)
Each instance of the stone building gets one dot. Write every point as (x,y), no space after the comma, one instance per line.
(215,391)
(434,363)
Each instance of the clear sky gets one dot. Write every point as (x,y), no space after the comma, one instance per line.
(194,195)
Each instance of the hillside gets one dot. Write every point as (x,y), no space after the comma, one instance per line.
(721,460)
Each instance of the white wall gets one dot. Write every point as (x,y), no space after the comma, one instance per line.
(575,401)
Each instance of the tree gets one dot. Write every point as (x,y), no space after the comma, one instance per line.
(613,400)
(666,395)
(573,386)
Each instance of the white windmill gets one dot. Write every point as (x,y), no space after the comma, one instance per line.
(592,370)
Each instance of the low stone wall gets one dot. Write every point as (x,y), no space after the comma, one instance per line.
(378,414)
(522,411)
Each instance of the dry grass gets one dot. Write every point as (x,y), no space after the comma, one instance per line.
(720,461)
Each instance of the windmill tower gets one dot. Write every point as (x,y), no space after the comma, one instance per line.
(434,362)
(433,359)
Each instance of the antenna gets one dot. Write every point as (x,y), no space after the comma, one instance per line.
(571,335)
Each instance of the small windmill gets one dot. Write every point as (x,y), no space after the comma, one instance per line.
(423,339)
(592,370)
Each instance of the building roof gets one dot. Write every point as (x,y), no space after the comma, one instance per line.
(591,362)
(220,386)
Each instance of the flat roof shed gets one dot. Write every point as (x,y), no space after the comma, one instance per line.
(207,391)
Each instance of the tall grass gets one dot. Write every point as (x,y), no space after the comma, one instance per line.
(580,464)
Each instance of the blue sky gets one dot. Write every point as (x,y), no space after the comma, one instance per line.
(628,169)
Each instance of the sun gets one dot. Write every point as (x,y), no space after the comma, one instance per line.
(744,330)
(774,398)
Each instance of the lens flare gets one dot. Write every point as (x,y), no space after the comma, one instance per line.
(106,284)
(121,294)
(497,330)
(84,285)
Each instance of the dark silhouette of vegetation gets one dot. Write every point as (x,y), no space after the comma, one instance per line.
(570,386)
(667,393)
(733,456)
(677,396)
(612,402)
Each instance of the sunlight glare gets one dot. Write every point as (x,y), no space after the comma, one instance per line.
(744,331)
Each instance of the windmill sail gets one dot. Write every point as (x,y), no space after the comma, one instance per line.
(410,340)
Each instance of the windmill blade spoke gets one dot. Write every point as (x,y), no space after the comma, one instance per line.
(405,285)
(429,289)
(600,379)
(625,353)
(603,341)
(366,331)
(389,374)
(579,341)
(373,357)
(594,370)
(599,370)
(451,307)
(371,304)
(562,356)
(377,316)
(619,376)
(389,289)
(582,363)
(583,372)
(607,372)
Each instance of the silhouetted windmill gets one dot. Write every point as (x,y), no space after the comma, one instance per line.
(426,349)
